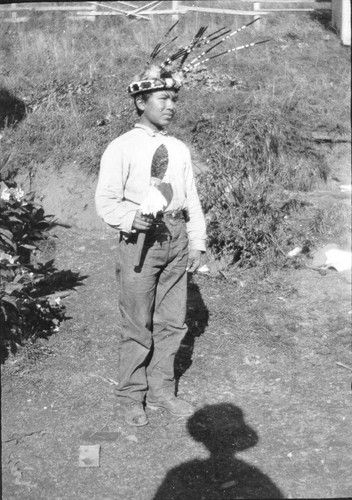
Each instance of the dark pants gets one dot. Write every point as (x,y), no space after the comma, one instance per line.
(153,309)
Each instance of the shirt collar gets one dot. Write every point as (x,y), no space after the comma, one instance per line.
(150,131)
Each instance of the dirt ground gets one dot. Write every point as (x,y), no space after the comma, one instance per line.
(268,368)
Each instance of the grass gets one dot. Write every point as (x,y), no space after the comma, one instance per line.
(73,79)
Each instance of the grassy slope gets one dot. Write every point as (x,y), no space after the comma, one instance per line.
(73,80)
(73,76)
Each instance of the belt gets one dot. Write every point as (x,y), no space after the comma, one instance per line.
(176,214)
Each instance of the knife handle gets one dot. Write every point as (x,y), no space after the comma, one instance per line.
(139,248)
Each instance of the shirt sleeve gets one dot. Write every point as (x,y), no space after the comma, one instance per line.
(110,202)
(196,227)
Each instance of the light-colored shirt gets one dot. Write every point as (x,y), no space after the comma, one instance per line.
(124,181)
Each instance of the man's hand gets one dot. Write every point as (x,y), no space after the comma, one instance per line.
(142,222)
(193,260)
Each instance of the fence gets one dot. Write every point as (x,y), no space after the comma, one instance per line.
(91,10)
(341,10)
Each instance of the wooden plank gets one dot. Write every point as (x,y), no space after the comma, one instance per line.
(98,4)
(156,5)
(144,7)
(98,13)
(315,5)
(184,10)
(139,16)
(83,17)
(288,1)
(42,8)
(22,19)
(211,10)
(283,1)
(249,13)
(289,10)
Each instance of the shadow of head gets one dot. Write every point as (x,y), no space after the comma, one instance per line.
(12,109)
(222,429)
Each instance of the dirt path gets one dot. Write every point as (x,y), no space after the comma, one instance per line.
(266,365)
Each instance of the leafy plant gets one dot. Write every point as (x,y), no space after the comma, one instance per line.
(30,306)
(243,192)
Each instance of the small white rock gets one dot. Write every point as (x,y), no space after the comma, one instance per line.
(293,253)
(203,269)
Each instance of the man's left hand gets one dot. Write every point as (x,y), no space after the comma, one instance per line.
(193,260)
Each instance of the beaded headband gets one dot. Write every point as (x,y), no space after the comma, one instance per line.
(171,72)
(154,84)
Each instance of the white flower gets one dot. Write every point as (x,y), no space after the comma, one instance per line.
(6,194)
(154,202)
(58,301)
(18,194)
(14,193)
(6,256)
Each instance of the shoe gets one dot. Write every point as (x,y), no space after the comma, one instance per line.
(135,414)
(175,406)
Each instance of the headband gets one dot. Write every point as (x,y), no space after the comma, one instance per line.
(154,84)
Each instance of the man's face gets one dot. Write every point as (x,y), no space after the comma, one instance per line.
(159,109)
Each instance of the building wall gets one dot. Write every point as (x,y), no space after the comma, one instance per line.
(341,19)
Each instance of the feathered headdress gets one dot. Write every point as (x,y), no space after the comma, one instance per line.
(171,72)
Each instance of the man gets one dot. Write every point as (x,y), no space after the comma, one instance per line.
(153,289)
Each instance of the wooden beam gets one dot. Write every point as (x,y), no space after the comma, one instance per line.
(156,5)
(285,1)
(22,19)
(145,7)
(289,10)
(127,4)
(184,10)
(42,8)
(291,1)
(132,13)
(99,13)
(211,10)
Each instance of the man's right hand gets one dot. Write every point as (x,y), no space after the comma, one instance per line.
(142,222)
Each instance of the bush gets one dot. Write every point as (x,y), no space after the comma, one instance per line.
(254,157)
(29,308)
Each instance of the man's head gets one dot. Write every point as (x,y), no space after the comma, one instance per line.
(156,109)
(155,94)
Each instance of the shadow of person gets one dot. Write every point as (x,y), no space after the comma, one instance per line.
(222,430)
(197,321)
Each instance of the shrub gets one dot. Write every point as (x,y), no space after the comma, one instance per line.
(254,157)
(28,306)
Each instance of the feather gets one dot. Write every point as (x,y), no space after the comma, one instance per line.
(154,202)
(179,53)
(158,46)
(239,48)
(166,190)
(159,162)
(152,72)
(190,67)
(212,38)
(193,45)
